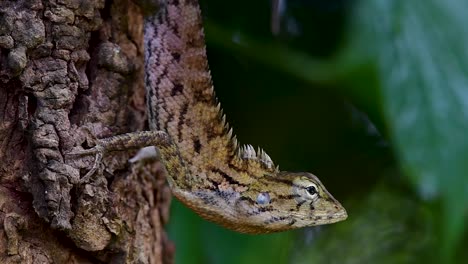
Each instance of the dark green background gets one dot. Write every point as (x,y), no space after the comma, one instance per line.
(371,96)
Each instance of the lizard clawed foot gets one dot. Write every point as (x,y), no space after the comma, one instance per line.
(96,150)
(124,142)
(97,162)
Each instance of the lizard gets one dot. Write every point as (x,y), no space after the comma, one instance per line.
(207,169)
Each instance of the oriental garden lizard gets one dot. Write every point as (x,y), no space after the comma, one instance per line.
(207,169)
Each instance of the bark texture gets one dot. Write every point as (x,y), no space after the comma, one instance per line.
(71,70)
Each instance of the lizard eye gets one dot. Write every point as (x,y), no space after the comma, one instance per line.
(263,198)
(312,190)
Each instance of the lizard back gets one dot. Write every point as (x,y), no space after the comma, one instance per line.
(180,92)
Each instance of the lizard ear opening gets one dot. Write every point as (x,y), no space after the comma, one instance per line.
(263,198)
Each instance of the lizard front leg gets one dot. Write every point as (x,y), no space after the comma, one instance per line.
(124,142)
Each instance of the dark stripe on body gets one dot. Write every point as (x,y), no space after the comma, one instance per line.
(228,178)
(177,89)
(197,146)
(292,222)
(299,204)
(169,119)
(176,56)
(289,196)
(275,219)
(183,113)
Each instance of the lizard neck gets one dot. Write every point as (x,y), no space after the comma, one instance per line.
(181,100)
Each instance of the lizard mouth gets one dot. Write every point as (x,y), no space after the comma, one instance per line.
(339,216)
(331,217)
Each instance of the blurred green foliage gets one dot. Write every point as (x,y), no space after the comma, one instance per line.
(370,95)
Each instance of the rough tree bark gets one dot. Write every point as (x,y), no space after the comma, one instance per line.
(70,69)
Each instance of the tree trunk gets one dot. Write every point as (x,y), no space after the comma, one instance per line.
(72,70)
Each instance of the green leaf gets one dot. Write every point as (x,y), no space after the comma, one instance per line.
(421,52)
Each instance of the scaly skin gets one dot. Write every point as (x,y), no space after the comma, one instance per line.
(207,170)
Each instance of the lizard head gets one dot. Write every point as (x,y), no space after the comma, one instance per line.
(287,201)
(272,203)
